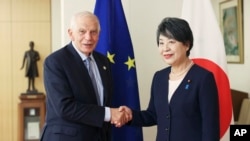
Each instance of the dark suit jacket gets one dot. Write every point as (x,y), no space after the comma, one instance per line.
(191,115)
(73,113)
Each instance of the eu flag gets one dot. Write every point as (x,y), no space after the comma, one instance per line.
(115,42)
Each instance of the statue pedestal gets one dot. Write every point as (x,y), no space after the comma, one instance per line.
(32,93)
(31,116)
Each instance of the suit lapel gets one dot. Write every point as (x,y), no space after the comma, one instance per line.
(79,69)
(103,68)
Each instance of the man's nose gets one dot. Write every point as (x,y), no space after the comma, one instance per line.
(88,36)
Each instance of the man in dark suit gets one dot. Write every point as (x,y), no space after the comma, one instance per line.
(76,111)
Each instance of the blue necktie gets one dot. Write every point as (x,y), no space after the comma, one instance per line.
(89,64)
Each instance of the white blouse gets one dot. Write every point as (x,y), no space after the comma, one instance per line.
(173,85)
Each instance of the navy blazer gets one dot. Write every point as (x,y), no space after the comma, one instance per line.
(73,113)
(193,111)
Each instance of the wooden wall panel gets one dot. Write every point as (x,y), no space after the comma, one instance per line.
(5,10)
(20,22)
(31,10)
(6,97)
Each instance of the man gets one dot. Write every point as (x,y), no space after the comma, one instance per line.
(76,111)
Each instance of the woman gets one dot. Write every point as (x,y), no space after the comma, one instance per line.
(184,97)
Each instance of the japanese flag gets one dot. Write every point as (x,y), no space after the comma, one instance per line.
(209,52)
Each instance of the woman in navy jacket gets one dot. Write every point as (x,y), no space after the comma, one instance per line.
(184,98)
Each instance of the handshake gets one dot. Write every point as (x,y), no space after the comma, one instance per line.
(120,116)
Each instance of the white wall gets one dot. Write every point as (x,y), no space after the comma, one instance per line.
(143,18)
(143,21)
(239,73)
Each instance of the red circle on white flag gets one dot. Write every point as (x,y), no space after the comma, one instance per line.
(225,100)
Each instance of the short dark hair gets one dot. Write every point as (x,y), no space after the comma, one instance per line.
(178,29)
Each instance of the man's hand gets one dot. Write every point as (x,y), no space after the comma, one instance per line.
(128,112)
(120,116)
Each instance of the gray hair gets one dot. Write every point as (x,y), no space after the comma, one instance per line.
(83,14)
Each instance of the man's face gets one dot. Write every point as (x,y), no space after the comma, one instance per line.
(85,34)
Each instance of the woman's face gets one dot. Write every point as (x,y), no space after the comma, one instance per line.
(172,51)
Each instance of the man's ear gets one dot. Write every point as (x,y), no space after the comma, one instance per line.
(70,33)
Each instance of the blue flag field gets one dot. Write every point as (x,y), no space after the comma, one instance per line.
(116,44)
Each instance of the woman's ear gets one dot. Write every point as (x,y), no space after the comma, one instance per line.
(187,45)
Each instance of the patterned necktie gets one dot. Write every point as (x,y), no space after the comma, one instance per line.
(89,64)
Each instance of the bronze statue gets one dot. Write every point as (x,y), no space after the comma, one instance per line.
(31,70)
